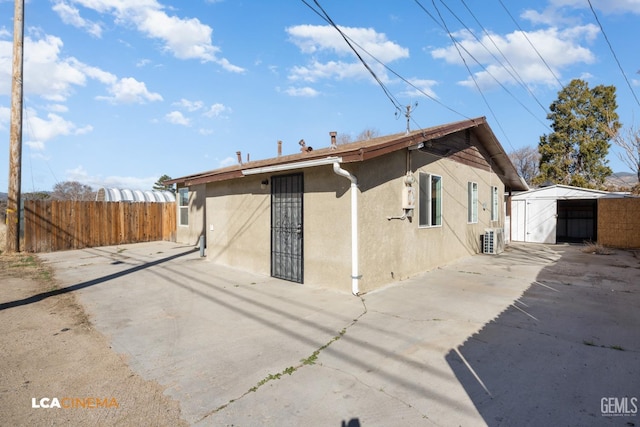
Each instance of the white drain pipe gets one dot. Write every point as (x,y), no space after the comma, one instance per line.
(354,226)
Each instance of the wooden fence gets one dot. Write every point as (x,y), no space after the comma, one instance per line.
(60,225)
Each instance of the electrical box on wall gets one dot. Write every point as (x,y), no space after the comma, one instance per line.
(408,198)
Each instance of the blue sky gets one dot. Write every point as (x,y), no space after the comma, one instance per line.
(120,92)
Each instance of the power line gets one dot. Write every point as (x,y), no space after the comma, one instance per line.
(519,79)
(353,42)
(386,91)
(459,46)
(456,44)
(613,52)
(531,44)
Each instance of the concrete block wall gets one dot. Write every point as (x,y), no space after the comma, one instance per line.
(619,222)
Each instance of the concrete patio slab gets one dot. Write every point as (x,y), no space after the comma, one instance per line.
(235,348)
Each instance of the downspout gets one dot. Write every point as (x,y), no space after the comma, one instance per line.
(354,226)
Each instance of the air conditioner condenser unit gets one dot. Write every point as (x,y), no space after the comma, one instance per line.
(493,242)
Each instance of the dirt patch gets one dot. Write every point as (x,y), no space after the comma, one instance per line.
(49,349)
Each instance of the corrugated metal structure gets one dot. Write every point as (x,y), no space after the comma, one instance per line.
(557,213)
(125,195)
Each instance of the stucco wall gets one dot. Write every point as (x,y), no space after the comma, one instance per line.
(190,234)
(619,222)
(327,229)
(238,224)
(396,249)
(239,214)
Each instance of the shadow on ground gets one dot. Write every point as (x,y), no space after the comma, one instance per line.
(568,343)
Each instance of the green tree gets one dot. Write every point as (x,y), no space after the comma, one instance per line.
(160,185)
(575,152)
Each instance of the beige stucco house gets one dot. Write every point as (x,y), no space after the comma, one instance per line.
(354,216)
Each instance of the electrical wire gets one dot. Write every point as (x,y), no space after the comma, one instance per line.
(386,91)
(409,83)
(489,72)
(517,76)
(531,44)
(613,52)
(29,128)
(457,46)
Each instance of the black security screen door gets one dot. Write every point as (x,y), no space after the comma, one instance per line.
(286,227)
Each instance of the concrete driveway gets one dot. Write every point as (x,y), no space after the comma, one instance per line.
(535,336)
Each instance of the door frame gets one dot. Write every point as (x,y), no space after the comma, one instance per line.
(287,240)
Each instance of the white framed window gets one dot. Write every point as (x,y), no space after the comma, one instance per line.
(183,206)
(472,202)
(430,207)
(494,204)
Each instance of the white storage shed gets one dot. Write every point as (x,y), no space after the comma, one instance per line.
(554,214)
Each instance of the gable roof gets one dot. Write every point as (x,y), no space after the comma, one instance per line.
(563,192)
(364,150)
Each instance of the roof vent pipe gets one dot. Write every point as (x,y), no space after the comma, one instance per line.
(239,155)
(279,148)
(334,144)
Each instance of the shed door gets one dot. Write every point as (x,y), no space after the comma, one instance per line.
(518,220)
(286,227)
(541,219)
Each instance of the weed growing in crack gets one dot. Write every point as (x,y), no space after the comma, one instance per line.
(291,369)
(612,347)
(311,360)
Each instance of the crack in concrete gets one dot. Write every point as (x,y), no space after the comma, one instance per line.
(380,390)
(411,319)
(311,360)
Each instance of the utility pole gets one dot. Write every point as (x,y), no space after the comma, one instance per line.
(410,109)
(15,142)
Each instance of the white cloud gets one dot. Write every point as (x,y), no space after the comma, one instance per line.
(177,118)
(420,88)
(308,92)
(96,73)
(227,161)
(217,110)
(57,108)
(561,12)
(189,105)
(45,73)
(129,91)
(604,6)
(53,77)
(71,16)
(38,130)
(318,40)
(559,48)
(184,38)
(5,117)
(80,174)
